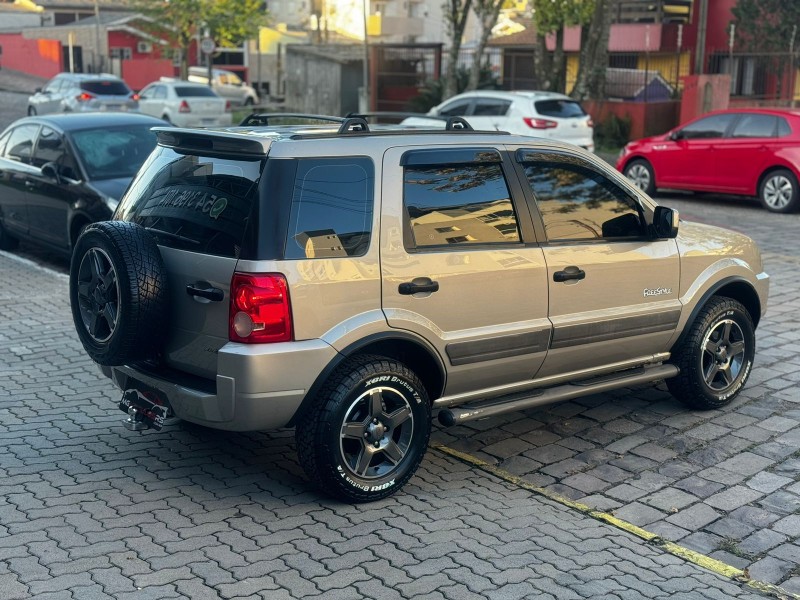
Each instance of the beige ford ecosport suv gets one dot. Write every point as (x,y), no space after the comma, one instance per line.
(350,282)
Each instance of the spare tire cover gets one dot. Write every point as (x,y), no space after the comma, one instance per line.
(118,293)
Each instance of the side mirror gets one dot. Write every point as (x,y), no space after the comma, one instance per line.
(50,170)
(676,135)
(665,222)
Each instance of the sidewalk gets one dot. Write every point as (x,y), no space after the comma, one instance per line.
(90,510)
(18,82)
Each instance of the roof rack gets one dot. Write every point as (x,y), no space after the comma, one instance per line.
(263,119)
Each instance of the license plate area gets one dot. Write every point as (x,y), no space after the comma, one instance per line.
(150,407)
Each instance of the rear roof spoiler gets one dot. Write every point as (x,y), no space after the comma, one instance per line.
(216,142)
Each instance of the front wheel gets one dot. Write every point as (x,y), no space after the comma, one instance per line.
(716,356)
(367,430)
(640,172)
(779,192)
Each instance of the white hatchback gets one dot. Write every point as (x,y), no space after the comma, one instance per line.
(185,104)
(541,114)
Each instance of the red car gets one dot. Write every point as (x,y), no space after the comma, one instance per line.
(752,151)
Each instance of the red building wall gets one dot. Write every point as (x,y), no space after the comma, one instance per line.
(37,57)
(123,39)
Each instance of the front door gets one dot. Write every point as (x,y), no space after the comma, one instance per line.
(614,293)
(460,266)
(699,164)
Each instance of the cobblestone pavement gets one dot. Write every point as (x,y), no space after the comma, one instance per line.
(722,482)
(89,510)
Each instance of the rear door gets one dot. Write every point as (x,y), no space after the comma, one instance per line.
(460,265)
(197,207)
(742,156)
(489,114)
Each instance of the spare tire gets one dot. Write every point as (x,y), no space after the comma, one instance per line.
(118,293)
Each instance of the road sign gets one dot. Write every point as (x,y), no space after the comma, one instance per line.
(207,45)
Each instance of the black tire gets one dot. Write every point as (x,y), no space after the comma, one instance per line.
(640,172)
(124,322)
(7,241)
(778,191)
(722,335)
(367,430)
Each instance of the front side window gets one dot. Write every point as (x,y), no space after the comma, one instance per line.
(456,109)
(577,203)
(195,203)
(710,127)
(755,126)
(331,211)
(459,205)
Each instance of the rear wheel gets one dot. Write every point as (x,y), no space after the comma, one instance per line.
(640,172)
(779,191)
(716,355)
(367,430)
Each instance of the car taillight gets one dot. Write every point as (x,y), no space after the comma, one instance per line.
(184,107)
(260,311)
(84,97)
(227,106)
(539,123)
(135,96)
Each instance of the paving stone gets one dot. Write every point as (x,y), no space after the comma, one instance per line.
(507,448)
(761,541)
(669,500)
(767,482)
(781,503)
(769,569)
(730,528)
(702,542)
(520,465)
(639,514)
(694,517)
(697,486)
(789,526)
(733,498)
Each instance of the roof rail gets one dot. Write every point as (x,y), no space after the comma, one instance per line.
(457,124)
(263,119)
(353,125)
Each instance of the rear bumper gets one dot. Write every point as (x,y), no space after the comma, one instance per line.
(258,386)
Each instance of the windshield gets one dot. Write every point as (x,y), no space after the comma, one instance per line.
(559,108)
(106,87)
(114,152)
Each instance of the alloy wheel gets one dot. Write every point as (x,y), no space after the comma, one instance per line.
(640,176)
(723,355)
(98,294)
(777,192)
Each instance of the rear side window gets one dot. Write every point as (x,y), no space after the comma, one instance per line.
(188,91)
(459,205)
(20,143)
(105,87)
(783,127)
(755,126)
(196,203)
(455,109)
(564,109)
(331,212)
(488,107)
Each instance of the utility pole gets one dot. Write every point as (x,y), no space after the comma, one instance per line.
(98,53)
(700,52)
(792,68)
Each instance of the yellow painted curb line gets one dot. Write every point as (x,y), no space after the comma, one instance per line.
(711,564)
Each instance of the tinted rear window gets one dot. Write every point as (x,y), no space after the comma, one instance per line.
(188,91)
(564,109)
(196,203)
(106,87)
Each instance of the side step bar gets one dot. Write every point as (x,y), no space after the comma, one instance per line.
(481,410)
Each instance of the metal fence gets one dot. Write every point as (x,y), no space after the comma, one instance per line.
(760,78)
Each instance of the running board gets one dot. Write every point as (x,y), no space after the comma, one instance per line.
(481,410)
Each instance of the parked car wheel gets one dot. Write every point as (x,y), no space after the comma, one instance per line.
(779,191)
(367,431)
(118,292)
(716,355)
(7,241)
(640,172)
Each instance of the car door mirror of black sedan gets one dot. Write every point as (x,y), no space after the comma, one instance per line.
(665,222)
(50,170)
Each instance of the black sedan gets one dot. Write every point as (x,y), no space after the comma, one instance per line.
(58,173)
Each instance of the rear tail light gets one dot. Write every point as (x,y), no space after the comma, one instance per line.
(260,311)
(227,106)
(539,123)
(84,97)
(135,96)
(184,108)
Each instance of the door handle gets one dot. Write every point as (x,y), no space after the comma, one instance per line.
(209,293)
(568,274)
(421,284)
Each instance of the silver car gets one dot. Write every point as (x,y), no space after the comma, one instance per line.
(82,92)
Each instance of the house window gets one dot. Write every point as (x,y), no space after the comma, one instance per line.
(123,53)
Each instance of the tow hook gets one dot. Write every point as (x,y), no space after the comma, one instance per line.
(135,420)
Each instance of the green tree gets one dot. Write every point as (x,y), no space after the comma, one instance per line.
(551,17)
(766,25)
(455,16)
(229,22)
